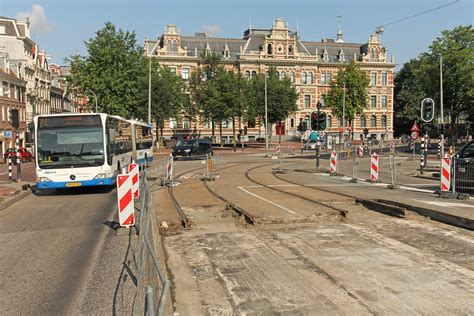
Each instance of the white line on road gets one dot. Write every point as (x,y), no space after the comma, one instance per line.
(268,201)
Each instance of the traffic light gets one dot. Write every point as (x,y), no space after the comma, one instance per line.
(322,119)
(245,130)
(314,121)
(366,132)
(14,118)
(427,110)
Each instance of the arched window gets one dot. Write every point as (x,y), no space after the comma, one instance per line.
(373,121)
(363,121)
(247,74)
(310,78)
(186,123)
(254,74)
(329,122)
(290,50)
(384,121)
(173,46)
(292,77)
(269,49)
(304,78)
(339,122)
(282,75)
(278,74)
(373,53)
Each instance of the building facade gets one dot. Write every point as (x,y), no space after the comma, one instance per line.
(310,65)
(12,97)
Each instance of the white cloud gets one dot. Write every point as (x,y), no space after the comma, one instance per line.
(37,16)
(211,29)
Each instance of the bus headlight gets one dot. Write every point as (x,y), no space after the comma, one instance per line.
(103,175)
(187,150)
(43,179)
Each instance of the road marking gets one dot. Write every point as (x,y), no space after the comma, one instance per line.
(268,201)
(446,204)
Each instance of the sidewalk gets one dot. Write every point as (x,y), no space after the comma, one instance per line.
(10,192)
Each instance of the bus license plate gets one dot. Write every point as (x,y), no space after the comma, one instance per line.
(74,184)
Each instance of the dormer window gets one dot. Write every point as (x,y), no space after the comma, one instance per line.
(290,50)
(269,49)
(172,46)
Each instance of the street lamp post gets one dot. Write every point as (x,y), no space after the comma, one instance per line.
(266,118)
(441,103)
(95,97)
(149,89)
(318,144)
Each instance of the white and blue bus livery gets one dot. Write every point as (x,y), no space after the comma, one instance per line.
(143,143)
(79,149)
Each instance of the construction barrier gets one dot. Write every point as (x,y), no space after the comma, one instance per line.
(169,170)
(278,149)
(374,167)
(333,163)
(125,200)
(445,174)
(361,151)
(133,170)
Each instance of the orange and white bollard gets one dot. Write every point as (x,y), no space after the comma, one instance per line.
(125,200)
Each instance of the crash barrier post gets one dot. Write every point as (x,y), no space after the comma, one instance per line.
(333,163)
(278,149)
(168,177)
(355,165)
(133,171)
(422,155)
(18,157)
(445,174)
(10,178)
(374,168)
(125,200)
(152,285)
(439,149)
(210,173)
(361,151)
(393,178)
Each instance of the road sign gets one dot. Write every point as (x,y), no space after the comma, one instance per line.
(133,170)
(415,127)
(414,135)
(314,135)
(125,200)
(244,138)
(307,133)
(280,128)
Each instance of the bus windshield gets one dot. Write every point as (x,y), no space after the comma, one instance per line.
(69,147)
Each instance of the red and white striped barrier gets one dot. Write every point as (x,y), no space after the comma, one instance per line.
(361,151)
(445,174)
(133,170)
(169,169)
(278,149)
(333,163)
(125,200)
(374,167)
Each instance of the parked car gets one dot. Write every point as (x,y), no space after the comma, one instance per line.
(310,144)
(192,147)
(464,169)
(25,155)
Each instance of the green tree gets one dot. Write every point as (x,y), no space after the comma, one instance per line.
(354,100)
(420,77)
(168,96)
(111,70)
(281,97)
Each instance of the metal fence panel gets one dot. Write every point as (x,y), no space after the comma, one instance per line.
(464,175)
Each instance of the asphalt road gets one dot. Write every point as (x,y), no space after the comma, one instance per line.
(301,259)
(59,255)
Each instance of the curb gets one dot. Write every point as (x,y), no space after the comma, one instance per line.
(380,206)
(15,199)
(435,215)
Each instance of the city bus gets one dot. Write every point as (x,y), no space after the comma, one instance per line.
(81,149)
(142,143)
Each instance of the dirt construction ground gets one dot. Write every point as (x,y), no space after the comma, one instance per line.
(326,257)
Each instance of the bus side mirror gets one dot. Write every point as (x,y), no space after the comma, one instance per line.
(111,135)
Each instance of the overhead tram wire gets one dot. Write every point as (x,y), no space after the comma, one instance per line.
(380,29)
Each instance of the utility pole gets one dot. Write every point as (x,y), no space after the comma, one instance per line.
(149,90)
(441,103)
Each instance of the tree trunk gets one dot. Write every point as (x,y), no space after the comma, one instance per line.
(220,134)
(213,130)
(233,134)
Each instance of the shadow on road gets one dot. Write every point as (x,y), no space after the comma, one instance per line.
(73,191)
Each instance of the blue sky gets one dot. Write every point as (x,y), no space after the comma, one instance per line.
(62,26)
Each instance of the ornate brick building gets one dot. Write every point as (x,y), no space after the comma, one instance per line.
(310,66)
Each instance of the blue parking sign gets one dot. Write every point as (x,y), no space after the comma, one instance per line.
(313,135)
